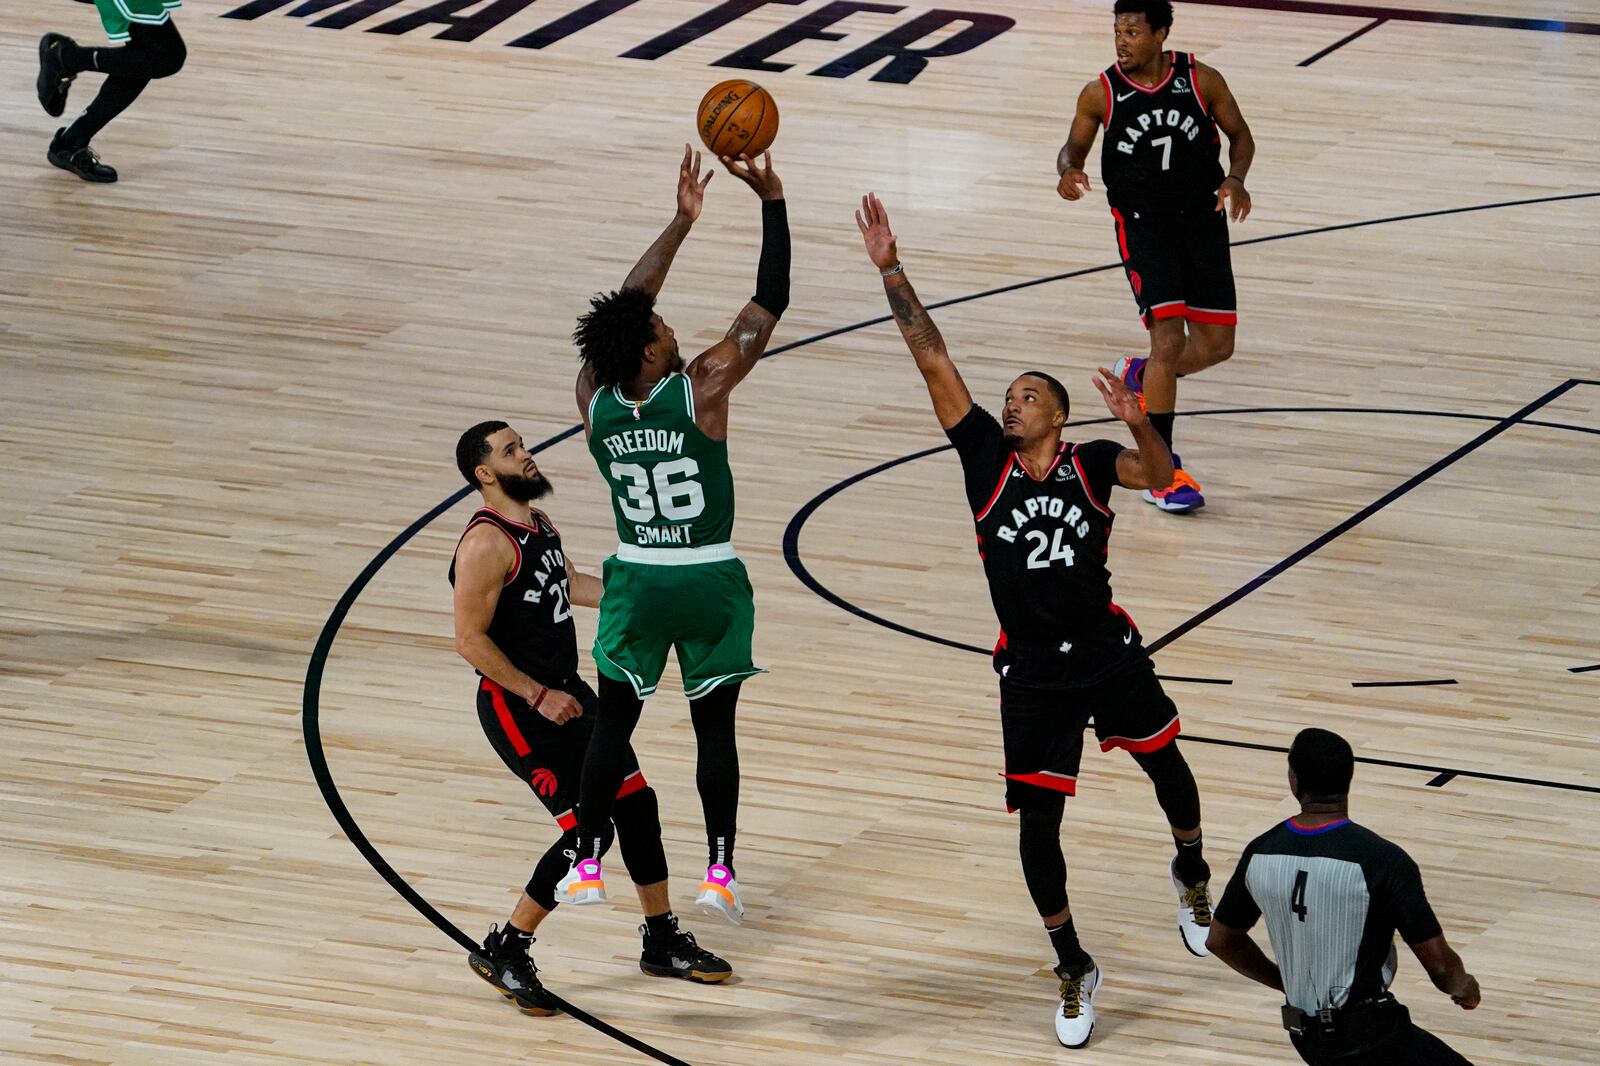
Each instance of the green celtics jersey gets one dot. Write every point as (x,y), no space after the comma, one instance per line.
(670,483)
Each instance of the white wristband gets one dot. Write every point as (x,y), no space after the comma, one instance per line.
(898,268)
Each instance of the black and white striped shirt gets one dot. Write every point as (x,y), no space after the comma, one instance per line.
(1333,897)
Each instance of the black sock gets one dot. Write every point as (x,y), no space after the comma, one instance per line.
(660,926)
(1069,952)
(1163,425)
(1191,866)
(513,939)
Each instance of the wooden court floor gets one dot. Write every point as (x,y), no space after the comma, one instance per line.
(227,382)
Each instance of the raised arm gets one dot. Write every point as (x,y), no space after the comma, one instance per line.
(716,371)
(1231,195)
(951,400)
(1086,123)
(1149,465)
(650,272)
(483,560)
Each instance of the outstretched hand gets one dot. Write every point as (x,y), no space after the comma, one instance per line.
(1120,400)
(873,222)
(691,187)
(763,179)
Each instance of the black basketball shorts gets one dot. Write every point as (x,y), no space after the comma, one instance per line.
(1043,728)
(546,757)
(1179,265)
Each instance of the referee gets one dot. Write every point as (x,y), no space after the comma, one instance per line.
(1334,894)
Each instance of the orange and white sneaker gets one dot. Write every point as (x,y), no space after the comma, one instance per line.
(1182,495)
(719,894)
(584,883)
(1131,371)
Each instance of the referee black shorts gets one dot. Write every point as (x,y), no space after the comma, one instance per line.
(1179,265)
(1043,728)
(546,757)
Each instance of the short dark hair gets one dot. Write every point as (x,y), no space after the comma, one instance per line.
(1322,762)
(612,337)
(1156,12)
(1058,390)
(473,448)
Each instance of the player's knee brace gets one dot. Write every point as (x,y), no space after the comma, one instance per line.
(1044,868)
(638,823)
(1176,789)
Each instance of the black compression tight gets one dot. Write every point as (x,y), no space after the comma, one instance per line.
(606,763)
(1044,867)
(1176,790)
(151,52)
(717,772)
(717,769)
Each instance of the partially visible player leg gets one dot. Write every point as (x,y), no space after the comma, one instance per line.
(548,759)
(1043,748)
(717,778)
(153,51)
(715,654)
(1153,260)
(607,762)
(1134,713)
(667,950)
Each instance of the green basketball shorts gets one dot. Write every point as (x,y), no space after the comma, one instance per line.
(704,610)
(117,15)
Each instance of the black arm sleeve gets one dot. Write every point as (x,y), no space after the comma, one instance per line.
(981,444)
(1238,909)
(772,275)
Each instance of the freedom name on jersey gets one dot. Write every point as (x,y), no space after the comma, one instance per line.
(671,486)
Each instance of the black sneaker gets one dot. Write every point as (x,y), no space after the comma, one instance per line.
(81,161)
(54,81)
(511,970)
(677,955)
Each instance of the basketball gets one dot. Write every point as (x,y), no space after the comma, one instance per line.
(738,117)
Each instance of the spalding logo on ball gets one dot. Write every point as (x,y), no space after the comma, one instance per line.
(737,118)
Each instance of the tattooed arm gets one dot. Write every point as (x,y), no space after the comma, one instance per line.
(650,272)
(951,400)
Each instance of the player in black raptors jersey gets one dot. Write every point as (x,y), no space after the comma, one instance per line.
(514,594)
(1066,652)
(1170,201)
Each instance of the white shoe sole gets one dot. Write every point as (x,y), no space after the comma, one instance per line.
(714,903)
(583,897)
(1171,508)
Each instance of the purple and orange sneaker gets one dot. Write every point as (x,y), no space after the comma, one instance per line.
(719,893)
(1182,495)
(1131,371)
(584,883)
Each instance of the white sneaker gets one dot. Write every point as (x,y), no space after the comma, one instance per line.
(584,883)
(719,894)
(1075,1017)
(1194,912)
